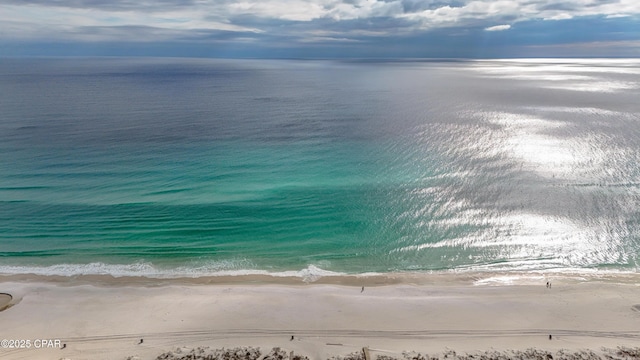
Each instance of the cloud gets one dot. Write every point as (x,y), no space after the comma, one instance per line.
(109,5)
(307,22)
(498,28)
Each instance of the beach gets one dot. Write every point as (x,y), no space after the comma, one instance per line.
(102,317)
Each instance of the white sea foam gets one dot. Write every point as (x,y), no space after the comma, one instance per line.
(539,276)
(488,275)
(96,268)
(144,269)
(509,280)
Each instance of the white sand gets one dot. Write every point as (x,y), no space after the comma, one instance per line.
(106,320)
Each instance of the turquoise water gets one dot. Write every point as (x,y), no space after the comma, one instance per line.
(170,167)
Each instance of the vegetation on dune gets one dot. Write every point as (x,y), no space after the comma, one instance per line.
(250,353)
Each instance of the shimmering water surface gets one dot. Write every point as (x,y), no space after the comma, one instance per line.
(166,167)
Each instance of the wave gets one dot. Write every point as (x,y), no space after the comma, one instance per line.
(476,275)
(145,269)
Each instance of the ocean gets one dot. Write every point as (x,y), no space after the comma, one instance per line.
(165,167)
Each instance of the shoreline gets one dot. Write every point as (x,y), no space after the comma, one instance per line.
(441,278)
(107,318)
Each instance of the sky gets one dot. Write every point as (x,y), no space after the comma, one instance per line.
(321,28)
